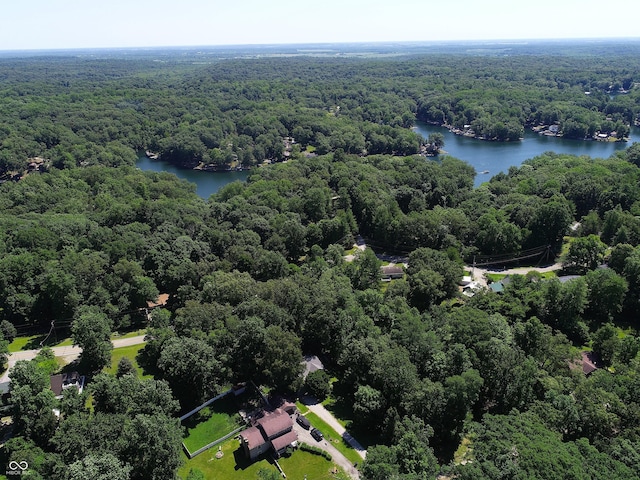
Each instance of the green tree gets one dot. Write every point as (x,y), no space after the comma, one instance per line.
(606,294)
(125,367)
(606,342)
(192,369)
(317,384)
(153,447)
(33,402)
(365,270)
(432,277)
(103,466)
(585,253)
(549,223)
(8,330)
(91,331)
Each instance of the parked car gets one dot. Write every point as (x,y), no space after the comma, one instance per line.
(303,422)
(317,434)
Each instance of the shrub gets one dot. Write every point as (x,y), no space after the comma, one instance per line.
(315,451)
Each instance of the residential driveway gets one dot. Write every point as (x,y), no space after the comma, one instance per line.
(337,457)
(328,417)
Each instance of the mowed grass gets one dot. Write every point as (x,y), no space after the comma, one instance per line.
(234,466)
(211,423)
(332,436)
(130,353)
(314,467)
(32,342)
(134,333)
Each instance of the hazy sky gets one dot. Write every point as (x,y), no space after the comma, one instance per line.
(40,24)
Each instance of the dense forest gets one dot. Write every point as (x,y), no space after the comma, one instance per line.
(256,274)
(84,110)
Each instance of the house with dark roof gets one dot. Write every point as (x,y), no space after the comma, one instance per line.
(590,362)
(273,431)
(59,383)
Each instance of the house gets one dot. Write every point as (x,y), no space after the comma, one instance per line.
(161,301)
(253,442)
(311,364)
(273,431)
(391,272)
(466,280)
(498,287)
(470,289)
(589,363)
(59,383)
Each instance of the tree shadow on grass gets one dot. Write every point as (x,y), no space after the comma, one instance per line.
(242,462)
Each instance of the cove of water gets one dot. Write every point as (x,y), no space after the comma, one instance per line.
(493,157)
(207,183)
(496,157)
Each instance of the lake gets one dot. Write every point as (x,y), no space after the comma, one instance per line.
(494,157)
(207,183)
(499,156)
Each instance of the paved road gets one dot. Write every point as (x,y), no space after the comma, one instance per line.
(328,417)
(69,353)
(479,273)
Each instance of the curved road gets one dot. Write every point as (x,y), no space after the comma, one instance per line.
(479,273)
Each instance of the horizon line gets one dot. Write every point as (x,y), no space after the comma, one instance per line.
(495,41)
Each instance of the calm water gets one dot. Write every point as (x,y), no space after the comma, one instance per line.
(499,156)
(492,156)
(207,183)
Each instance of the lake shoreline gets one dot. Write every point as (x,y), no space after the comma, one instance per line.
(539,129)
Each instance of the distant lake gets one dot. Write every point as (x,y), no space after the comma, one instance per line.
(482,155)
(207,183)
(499,156)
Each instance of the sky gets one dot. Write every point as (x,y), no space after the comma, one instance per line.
(59,24)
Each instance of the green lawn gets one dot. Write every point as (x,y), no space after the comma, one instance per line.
(302,407)
(233,465)
(211,423)
(134,333)
(129,352)
(32,342)
(344,415)
(314,467)
(332,436)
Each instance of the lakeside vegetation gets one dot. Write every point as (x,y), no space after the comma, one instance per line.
(256,275)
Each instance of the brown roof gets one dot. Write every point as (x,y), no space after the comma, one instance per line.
(161,301)
(392,270)
(63,380)
(284,441)
(252,437)
(274,424)
(589,362)
(56,384)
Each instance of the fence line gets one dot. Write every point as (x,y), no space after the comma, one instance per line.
(205,404)
(212,444)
